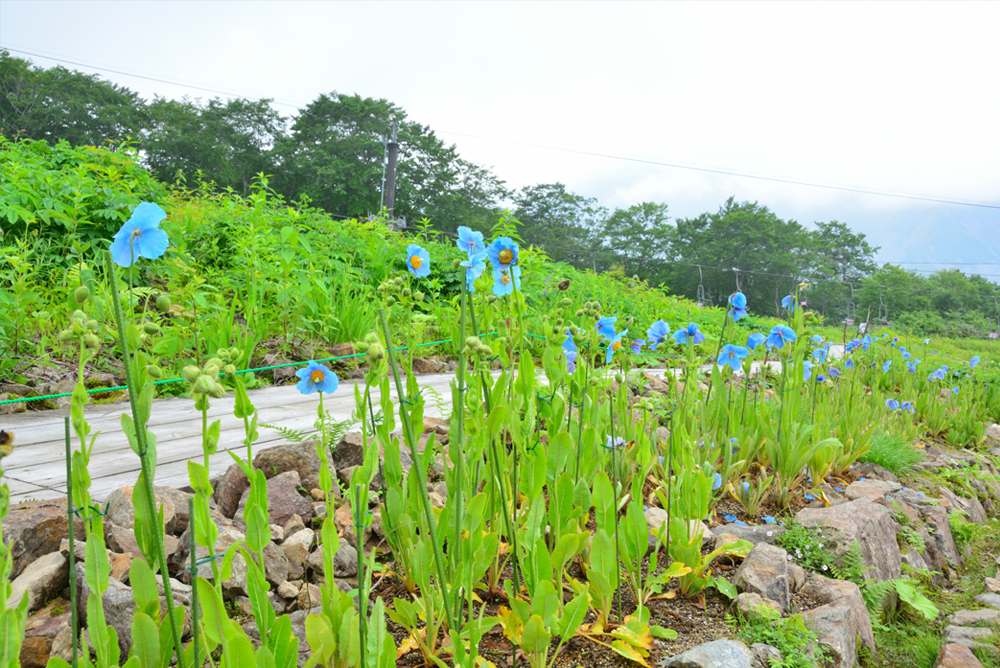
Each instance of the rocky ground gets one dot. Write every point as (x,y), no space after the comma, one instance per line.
(875,509)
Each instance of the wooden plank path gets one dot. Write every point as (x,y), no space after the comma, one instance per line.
(37,467)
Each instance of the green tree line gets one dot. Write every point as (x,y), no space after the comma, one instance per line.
(331,155)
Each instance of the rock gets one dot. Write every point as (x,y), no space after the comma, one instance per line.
(971,507)
(437,425)
(292,525)
(973,617)
(765,572)
(47,633)
(229,490)
(767,533)
(868,524)
(427,365)
(40,581)
(972,638)
(275,564)
(288,590)
(992,600)
(942,548)
(992,585)
(350,451)
(35,528)
(345,562)
(826,591)
(278,533)
(796,577)
(122,512)
(954,655)
(34,651)
(122,541)
(298,619)
(243,606)
(300,457)
(873,490)
(834,626)
(236,585)
(747,605)
(317,494)
(11,409)
(766,655)
(179,500)
(869,470)
(296,549)
(283,500)
(715,654)
(309,596)
(120,565)
(344,519)
(118,607)
(993,431)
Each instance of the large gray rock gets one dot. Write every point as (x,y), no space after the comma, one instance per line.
(973,617)
(765,533)
(47,634)
(283,500)
(118,606)
(835,630)
(349,452)
(236,584)
(766,655)
(826,591)
(298,619)
(345,562)
(42,580)
(971,507)
(299,457)
(993,431)
(942,550)
(715,654)
(275,564)
(122,512)
(749,607)
(765,572)
(873,490)
(992,600)
(973,638)
(228,490)
(35,528)
(868,524)
(296,549)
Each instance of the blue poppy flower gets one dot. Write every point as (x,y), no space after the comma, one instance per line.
(656,333)
(820,378)
(955,390)
(733,356)
(611,444)
(474,268)
(945,368)
(637,346)
(418,261)
(851,345)
(689,333)
(906,355)
(926,341)
(907,406)
(834,372)
(885,367)
(755,340)
(738,301)
(807,370)
(716,481)
(866,342)
(606,326)
(820,355)
(779,335)
(974,361)
(470,241)
(569,344)
(729,517)
(849,363)
(570,359)
(769,519)
(614,343)
(817,339)
(937,374)
(504,281)
(316,377)
(140,236)
(892,404)
(895,339)
(788,302)
(503,253)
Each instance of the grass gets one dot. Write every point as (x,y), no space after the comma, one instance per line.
(893,452)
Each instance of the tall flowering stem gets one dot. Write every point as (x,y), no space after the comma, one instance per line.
(411,441)
(459,402)
(144,458)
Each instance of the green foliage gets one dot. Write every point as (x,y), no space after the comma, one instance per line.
(893,452)
(798,645)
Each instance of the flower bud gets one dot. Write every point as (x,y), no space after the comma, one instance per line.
(618,378)
(163,303)
(191,373)
(406,292)
(376,351)
(597,306)
(150,328)
(579,313)
(235,354)
(229,369)
(214,361)
(567,301)
(390,300)
(398,280)
(81,294)
(66,335)
(154,372)
(472,341)
(205,384)
(573,329)
(455,264)
(91,341)
(217,391)
(77,328)
(418,296)
(371,337)
(558,312)
(212,369)
(92,325)
(361,347)
(559,322)
(79,315)
(491,299)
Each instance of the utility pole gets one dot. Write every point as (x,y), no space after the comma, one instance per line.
(389,192)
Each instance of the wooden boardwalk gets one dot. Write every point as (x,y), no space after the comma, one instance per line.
(37,467)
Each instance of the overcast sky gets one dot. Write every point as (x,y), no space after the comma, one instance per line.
(895,97)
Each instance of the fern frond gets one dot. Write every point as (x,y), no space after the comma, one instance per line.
(293,435)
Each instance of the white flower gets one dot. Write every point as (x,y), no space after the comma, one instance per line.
(789,557)
(824,567)
(769,533)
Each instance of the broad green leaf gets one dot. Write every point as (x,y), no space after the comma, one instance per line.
(145,640)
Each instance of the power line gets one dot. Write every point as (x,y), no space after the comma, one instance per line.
(708,170)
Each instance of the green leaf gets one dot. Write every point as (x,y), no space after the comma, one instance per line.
(573,615)
(97,568)
(534,638)
(144,589)
(145,639)
(216,621)
(258,531)
(725,587)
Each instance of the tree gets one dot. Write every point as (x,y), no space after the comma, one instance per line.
(227,142)
(58,104)
(561,222)
(638,238)
(835,253)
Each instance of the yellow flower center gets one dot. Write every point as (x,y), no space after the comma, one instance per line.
(505,279)
(616,345)
(415,262)
(316,376)
(506,256)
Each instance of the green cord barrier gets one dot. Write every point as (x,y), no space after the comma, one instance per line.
(99,390)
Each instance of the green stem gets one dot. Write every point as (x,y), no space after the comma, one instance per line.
(460,424)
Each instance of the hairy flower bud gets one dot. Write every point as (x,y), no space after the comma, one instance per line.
(163,303)
(77,328)
(566,301)
(154,372)
(573,329)
(214,361)
(418,296)
(579,313)
(92,325)
(191,373)
(229,369)
(491,299)
(91,341)
(472,342)
(371,337)
(376,351)
(618,378)
(398,280)
(66,335)
(455,264)
(150,328)
(390,300)
(406,292)
(81,294)
(205,384)
(79,315)
(235,354)
(217,391)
